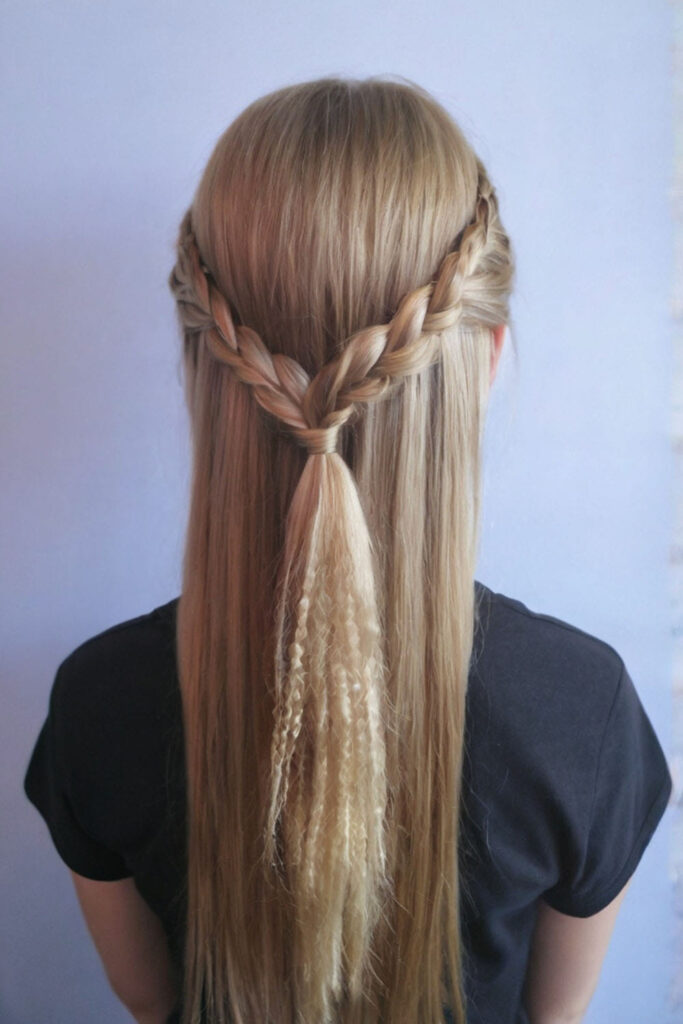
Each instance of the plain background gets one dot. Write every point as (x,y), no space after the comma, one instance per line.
(109,112)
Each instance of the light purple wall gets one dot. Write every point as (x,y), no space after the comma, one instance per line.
(109,112)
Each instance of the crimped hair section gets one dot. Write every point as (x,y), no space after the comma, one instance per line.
(325,830)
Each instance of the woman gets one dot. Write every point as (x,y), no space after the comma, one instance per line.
(338,778)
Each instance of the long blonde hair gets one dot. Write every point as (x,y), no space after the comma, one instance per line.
(337,280)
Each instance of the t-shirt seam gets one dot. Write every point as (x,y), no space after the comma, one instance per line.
(55,708)
(601,748)
(554,621)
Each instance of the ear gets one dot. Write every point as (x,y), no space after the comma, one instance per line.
(498,336)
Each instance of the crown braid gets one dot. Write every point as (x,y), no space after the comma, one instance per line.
(372,362)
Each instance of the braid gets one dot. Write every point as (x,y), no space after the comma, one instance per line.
(373,360)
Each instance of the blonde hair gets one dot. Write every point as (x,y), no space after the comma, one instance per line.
(337,280)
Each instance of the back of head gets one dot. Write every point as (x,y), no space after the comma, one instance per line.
(338,278)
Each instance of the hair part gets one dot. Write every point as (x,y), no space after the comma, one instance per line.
(344,259)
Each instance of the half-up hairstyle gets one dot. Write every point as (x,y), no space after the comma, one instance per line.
(338,278)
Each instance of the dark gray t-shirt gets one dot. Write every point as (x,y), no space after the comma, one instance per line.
(564,779)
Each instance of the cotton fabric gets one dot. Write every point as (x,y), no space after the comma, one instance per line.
(564,779)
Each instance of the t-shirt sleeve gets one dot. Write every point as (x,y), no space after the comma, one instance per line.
(55,761)
(632,788)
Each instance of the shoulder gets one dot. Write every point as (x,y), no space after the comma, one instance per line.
(133,635)
(117,670)
(544,663)
(555,721)
(100,767)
